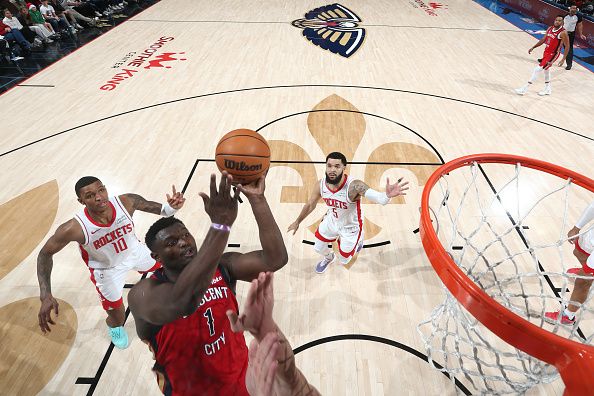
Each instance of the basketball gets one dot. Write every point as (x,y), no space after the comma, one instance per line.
(243,153)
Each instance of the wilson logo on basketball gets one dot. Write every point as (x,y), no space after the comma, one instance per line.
(334,28)
(241,166)
(140,61)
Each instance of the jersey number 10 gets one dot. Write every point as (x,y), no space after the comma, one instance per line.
(119,245)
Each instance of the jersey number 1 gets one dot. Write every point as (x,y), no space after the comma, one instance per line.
(209,321)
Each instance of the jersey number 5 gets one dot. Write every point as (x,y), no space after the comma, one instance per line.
(209,321)
(334,212)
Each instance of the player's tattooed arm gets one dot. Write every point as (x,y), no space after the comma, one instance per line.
(175,201)
(66,233)
(357,190)
(134,202)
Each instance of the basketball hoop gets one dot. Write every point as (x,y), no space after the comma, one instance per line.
(501,314)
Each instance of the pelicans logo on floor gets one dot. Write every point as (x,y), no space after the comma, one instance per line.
(334,28)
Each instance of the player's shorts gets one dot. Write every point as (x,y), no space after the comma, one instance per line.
(110,282)
(548,57)
(348,235)
(585,244)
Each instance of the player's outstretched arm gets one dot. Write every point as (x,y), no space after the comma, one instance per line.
(358,189)
(540,42)
(66,233)
(309,207)
(161,303)
(174,202)
(271,354)
(273,255)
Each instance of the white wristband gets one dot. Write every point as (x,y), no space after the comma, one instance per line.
(221,227)
(376,196)
(167,210)
(586,217)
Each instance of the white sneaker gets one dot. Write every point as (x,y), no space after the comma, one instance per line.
(546,91)
(16,58)
(322,266)
(521,91)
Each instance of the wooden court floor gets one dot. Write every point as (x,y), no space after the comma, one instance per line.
(143,106)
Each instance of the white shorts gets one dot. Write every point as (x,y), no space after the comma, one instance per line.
(585,244)
(348,235)
(110,282)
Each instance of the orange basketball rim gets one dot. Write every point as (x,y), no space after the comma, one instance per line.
(575,361)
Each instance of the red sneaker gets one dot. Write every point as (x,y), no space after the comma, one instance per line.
(553,317)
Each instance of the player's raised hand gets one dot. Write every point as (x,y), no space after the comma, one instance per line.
(530,51)
(572,235)
(254,189)
(221,206)
(396,189)
(262,366)
(256,315)
(176,199)
(48,304)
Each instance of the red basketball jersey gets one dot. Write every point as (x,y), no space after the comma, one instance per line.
(553,41)
(199,354)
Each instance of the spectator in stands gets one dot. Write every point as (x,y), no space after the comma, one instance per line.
(14,24)
(15,36)
(40,30)
(38,19)
(570,23)
(74,15)
(56,20)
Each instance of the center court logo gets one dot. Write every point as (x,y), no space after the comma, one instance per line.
(133,63)
(334,28)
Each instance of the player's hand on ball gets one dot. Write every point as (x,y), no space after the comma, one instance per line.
(176,199)
(255,188)
(396,189)
(572,235)
(293,227)
(221,206)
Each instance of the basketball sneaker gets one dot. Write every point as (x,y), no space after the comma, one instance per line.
(546,91)
(521,91)
(323,265)
(552,317)
(119,337)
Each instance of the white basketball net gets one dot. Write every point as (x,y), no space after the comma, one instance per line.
(488,247)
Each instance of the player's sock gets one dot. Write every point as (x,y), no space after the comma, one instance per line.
(329,256)
(547,76)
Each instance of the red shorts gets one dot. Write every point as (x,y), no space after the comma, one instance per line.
(585,267)
(548,59)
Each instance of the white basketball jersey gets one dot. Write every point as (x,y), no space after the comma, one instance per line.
(340,208)
(108,245)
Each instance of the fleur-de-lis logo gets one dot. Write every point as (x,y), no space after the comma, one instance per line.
(337,125)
